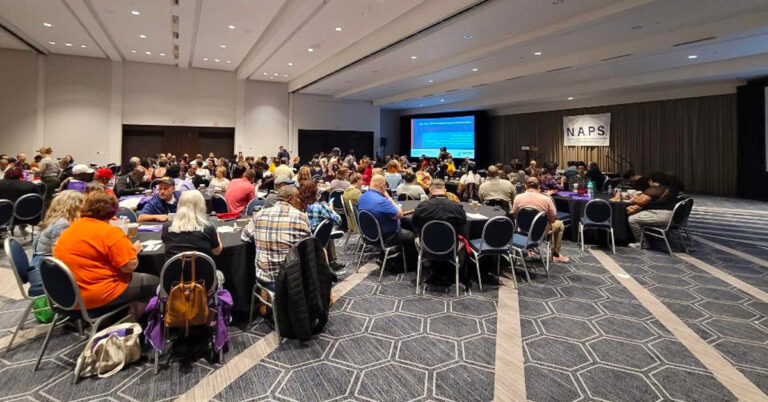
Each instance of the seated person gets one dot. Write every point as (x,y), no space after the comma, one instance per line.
(220,182)
(191,230)
(496,188)
(533,198)
(392,176)
(81,176)
(440,208)
(104,176)
(13,186)
(652,207)
(102,259)
(274,231)
(128,184)
(240,190)
(317,211)
(161,204)
(378,202)
(278,182)
(339,183)
(62,212)
(411,187)
(579,180)
(352,193)
(550,182)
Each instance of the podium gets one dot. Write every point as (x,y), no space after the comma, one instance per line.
(530,153)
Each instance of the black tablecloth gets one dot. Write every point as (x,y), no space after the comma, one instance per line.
(474,228)
(236,261)
(575,207)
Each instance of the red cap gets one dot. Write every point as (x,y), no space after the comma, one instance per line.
(104,173)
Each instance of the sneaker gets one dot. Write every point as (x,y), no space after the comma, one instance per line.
(635,245)
(336,266)
(561,258)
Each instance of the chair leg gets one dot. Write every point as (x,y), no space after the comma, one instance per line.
(457,280)
(613,242)
(157,361)
(360,259)
(477,265)
(405,268)
(418,274)
(514,277)
(20,326)
(253,302)
(498,265)
(525,267)
(45,342)
(581,236)
(383,264)
(667,242)
(642,234)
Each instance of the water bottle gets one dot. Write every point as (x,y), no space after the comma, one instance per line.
(591,189)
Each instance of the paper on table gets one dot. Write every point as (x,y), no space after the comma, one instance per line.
(476,216)
(225,229)
(151,242)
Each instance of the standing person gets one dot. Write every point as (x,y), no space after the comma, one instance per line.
(283,153)
(49,172)
(533,198)
(378,202)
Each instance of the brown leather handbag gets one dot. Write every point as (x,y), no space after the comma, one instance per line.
(187,301)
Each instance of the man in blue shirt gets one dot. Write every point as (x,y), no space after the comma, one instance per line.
(161,204)
(378,202)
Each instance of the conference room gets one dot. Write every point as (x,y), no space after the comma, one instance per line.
(383,200)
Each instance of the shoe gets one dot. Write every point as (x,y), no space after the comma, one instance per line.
(336,266)
(635,245)
(561,258)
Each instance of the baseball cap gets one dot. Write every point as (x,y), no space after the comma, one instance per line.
(167,180)
(105,173)
(81,168)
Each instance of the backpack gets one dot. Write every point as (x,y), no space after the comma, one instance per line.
(187,301)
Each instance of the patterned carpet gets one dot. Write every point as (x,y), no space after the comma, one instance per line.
(585,337)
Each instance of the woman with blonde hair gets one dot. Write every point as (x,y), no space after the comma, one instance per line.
(220,182)
(64,209)
(190,229)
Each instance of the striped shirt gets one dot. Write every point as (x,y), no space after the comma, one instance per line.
(273,231)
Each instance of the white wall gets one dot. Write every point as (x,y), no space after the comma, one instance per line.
(265,123)
(18,97)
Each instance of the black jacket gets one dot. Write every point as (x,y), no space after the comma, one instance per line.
(440,208)
(303,291)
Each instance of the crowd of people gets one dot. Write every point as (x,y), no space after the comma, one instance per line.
(83,199)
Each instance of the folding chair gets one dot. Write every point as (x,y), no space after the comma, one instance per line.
(678,223)
(255,205)
(496,238)
(19,263)
(597,215)
(28,210)
(438,243)
(219,204)
(125,212)
(370,231)
(530,242)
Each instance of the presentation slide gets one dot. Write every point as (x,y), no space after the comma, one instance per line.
(457,134)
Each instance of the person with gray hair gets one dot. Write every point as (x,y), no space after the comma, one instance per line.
(273,231)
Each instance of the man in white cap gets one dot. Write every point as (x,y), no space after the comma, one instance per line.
(81,176)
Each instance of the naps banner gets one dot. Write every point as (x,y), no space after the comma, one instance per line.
(587,130)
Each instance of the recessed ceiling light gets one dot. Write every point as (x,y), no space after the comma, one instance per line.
(133,51)
(537,53)
(474,69)
(142,36)
(216,60)
(47,24)
(67,44)
(290,64)
(271,78)
(275,74)
(570,98)
(442,100)
(135,12)
(223,46)
(205,59)
(229,61)
(148,53)
(338,29)
(414,57)
(285,75)
(310,50)
(693,56)
(431,81)
(83,46)
(467,36)
(231,26)
(162,54)
(51,42)
(266,73)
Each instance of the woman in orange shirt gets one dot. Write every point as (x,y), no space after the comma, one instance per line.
(102,258)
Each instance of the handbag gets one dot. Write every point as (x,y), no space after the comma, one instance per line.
(187,302)
(109,351)
(41,310)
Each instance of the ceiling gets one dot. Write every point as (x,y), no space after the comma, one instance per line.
(417,55)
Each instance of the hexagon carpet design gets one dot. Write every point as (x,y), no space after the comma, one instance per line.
(584,337)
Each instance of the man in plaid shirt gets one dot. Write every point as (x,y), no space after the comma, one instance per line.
(273,231)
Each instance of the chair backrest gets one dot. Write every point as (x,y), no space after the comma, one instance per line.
(404,197)
(369,228)
(538,227)
(323,232)
(60,284)
(524,219)
(28,207)
(6,212)
(599,211)
(255,205)
(497,202)
(19,262)
(438,240)
(352,215)
(205,270)
(498,232)
(680,214)
(219,204)
(125,212)
(336,201)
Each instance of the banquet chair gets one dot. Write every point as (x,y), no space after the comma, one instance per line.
(524,219)
(125,212)
(678,223)
(352,220)
(437,242)
(19,263)
(67,303)
(219,204)
(28,210)
(497,202)
(337,202)
(323,232)
(6,214)
(531,241)
(370,231)
(404,197)
(254,206)
(597,215)
(496,239)
(205,271)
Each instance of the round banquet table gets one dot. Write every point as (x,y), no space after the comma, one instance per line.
(236,262)
(572,203)
(474,227)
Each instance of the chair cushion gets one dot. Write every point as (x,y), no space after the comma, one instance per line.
(519,241)
(486,249)
(589,223)
(563,216)
(337,234)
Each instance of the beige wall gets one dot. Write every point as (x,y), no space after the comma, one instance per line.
(18,97)
(265,122)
